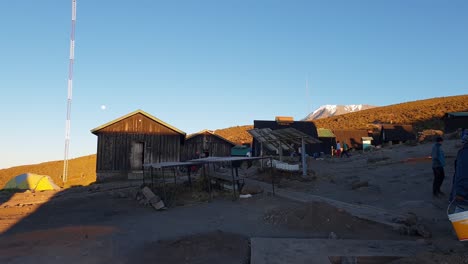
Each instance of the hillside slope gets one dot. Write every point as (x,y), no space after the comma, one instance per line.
(237,134)
(82,171)
(422,114)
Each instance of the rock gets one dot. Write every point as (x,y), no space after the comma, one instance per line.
(422,230)
(404,230)
(421,241)
(159,205)
(251,189)
(94,188)
(153,199)
(134,193)
(122,195)
(359,184)
(410,220)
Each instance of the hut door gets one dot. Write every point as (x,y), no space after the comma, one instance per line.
(136,157)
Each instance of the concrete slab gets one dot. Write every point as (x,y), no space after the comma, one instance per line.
(298,250)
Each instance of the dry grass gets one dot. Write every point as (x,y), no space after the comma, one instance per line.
(82,171)
(237,134)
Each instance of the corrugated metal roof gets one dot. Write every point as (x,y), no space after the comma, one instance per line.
(325,133)
(210,132)
(281,138)
(138,112)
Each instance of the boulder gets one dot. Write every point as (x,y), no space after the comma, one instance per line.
(251,189)
(358,184)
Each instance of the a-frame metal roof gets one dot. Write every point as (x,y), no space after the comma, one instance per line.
(209,132)
(139,111)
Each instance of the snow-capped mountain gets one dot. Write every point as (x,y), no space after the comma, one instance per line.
(333,110)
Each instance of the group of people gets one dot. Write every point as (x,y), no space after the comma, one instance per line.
(459,193)
(342,149)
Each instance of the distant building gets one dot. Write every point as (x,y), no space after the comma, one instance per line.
(206,143)
(455,120)
(328,139)
(126,143)
(396,134)
(352,137)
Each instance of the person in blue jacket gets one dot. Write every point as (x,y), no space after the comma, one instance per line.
(460,180)
(438,164)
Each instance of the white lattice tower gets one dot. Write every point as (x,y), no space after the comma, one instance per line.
(70,92)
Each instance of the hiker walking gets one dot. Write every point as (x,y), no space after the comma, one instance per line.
(438,164)
(459,193)
(345,150)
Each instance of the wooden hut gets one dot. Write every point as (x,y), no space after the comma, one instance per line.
(280,122)
(206,143)
(455,120)
(126,143)
(396,134)
(352,137)
(328,140)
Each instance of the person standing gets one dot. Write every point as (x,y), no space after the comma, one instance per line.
(438,164)
(345,150)
(459,193)
(338,148)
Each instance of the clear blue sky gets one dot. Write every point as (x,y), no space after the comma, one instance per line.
(215,64)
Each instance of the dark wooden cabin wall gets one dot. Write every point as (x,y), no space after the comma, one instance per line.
(217,147)
(114,150)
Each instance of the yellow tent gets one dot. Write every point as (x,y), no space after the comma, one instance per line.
(31,181)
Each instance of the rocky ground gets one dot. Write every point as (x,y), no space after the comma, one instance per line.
(104,222)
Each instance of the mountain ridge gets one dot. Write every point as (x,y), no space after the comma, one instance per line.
(328,110)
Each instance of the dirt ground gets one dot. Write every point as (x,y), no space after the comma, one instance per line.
(103,223)
(80,226)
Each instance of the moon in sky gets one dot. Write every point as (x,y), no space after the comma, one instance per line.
(103,107)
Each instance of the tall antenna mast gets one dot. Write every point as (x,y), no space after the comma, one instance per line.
(70,92)
(307,95)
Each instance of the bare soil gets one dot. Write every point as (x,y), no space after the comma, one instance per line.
(212,247)
(322,218)
(103,223)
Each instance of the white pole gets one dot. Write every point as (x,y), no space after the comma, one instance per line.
(303,156)
(70,93)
